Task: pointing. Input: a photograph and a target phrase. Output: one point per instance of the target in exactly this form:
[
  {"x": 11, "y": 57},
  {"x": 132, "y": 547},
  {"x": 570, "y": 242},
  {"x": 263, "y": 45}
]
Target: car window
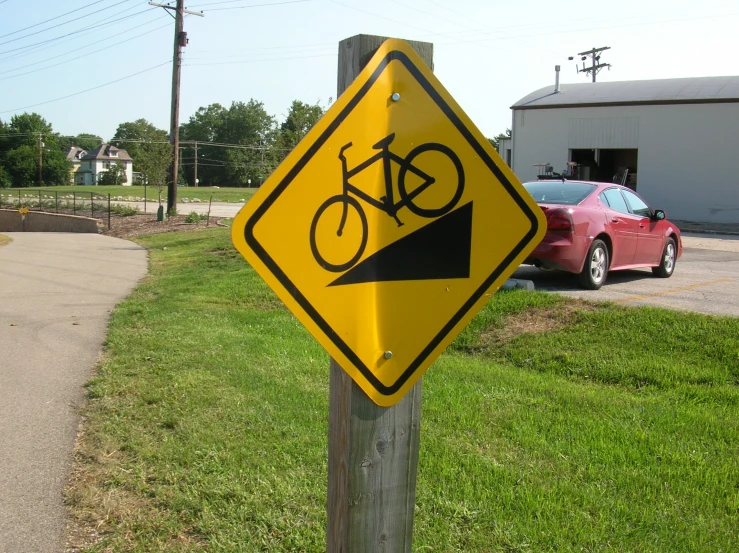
[
  {"x": 637, "y": 204},
  {"x": 558, "y": 192},
  {"x": 615, "y": 200}
]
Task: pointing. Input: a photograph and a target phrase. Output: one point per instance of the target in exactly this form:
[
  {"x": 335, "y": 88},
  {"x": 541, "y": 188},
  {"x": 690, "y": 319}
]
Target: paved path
[
  {"x": 706, "y": 280},
  {"x": 56, "y": 293},
  {"x": 218, "y": 209}
]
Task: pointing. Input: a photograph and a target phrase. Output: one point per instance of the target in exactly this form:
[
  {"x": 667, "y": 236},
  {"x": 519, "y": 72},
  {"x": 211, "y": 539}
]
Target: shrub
[
  {"x": 124, "y": 210},
  {"x": 192, "y": 217}
]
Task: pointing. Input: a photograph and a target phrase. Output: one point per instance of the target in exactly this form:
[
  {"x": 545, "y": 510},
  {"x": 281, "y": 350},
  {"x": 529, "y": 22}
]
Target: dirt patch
[
  {"x": 145, "y": 224},
  {"x": 535, "y": 321},
  {"x": 4, "y": 240}
]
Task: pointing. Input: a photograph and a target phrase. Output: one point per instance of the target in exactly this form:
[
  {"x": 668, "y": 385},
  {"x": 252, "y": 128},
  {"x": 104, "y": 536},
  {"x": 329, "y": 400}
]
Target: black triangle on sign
[{"x": 439, "y": 250}]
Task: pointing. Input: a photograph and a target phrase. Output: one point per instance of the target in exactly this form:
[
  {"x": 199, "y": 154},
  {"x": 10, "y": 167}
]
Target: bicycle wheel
[
  {"x": 441, "y": 194},
  {"x": 341, "y": 233}
]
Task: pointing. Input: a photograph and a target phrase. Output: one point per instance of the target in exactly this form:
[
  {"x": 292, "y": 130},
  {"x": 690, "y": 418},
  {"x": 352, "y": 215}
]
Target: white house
[
  {"x": 96, "y": 162},
  {"x": 676, "y": 141}
]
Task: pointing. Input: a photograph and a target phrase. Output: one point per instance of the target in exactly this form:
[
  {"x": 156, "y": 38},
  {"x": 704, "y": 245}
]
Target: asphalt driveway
[
  {"x": 706, "y": 280},
  {"x": 56, "y": 293}
]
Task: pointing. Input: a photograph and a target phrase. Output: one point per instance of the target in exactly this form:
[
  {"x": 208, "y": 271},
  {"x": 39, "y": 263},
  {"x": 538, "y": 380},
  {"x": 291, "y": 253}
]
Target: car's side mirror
[{"x": 659, "y": 215}]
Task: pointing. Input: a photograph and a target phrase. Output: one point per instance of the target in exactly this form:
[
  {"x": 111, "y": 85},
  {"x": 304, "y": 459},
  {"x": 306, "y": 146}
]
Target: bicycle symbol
[{"x": 386, "y": 203}]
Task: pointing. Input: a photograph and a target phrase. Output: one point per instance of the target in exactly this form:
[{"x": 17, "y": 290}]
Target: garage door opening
[{"x": 606, "y": 165}]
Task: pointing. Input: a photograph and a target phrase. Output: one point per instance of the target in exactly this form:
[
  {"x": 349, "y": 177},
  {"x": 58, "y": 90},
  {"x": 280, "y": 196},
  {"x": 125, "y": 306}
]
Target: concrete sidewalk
[
  {"x": 56, "y": 294},
  {"x": 217, "y": 209}
]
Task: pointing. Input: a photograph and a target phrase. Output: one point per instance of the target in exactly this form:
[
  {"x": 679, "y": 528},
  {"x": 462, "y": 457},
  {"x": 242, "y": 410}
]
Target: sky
[{"x": 88, "y": 65}]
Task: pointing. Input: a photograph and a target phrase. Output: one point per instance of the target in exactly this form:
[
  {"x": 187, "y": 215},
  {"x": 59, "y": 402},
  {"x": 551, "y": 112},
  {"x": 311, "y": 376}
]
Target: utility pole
[
  {"x": 180, "y": 40},
  {"x": 196, "y": 164},
  {"x": 595, "y": 61},
  {"x": 40, "y": 158}
]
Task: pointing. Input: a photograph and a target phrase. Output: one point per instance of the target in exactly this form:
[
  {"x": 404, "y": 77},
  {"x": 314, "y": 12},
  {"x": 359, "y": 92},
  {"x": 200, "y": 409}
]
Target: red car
[{"x": 596, "y": 227}]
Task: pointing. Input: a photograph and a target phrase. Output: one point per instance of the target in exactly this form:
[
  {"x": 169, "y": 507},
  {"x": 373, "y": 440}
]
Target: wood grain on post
[{"x": 372, "y": 450}]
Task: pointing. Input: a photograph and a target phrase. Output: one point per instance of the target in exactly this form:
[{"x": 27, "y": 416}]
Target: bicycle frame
[{"x": 386, "y": 203}]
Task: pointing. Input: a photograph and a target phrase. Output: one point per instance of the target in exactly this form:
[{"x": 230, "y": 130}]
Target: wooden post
[{"x": 372, "y": 450}]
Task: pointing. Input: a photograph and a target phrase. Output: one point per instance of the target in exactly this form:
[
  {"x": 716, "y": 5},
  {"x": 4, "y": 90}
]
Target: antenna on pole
[
  {"x": 595, "y": 66},
  {"x": 180, "y": 41}
]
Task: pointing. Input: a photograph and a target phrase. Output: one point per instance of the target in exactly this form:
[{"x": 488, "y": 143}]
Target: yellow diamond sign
[{"x": 390, "y": 225}]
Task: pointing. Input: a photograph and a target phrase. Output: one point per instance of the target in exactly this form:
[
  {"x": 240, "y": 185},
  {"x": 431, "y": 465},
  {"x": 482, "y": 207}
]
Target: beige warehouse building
[{"x": 676, "y": 141}]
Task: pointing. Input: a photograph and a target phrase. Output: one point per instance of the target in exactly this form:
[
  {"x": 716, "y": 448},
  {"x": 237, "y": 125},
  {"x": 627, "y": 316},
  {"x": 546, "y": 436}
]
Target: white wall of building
[
  {"x": 688, "y": 154},
  {"x": 99, "y": 167}
]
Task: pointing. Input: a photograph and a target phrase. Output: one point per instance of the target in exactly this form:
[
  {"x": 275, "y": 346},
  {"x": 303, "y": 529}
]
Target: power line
[
  {"x": 76, "y": 52},
  {"x": 248, "y": 6},
  {"x": 201, "y": 143},
  {"x": 89, "y": 89},
  {"x": 52, "y": 19},
  {"x": 97, "y": 25},
  {"x": 466, "y": 27},
  {"x": 386, "y": 18},
  {"x": 260, "y": 60},
  {"x": 97, "y": 41},
  {"x": 297, "y": 46},
  {"x": 60, "y": 24}
]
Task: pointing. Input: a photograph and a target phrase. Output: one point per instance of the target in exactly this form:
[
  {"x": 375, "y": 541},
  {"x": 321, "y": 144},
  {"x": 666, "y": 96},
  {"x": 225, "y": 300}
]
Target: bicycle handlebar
[{"x": 343, "y": 149}]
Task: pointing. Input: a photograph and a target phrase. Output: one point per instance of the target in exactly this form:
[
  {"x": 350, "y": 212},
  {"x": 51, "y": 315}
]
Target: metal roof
[{"x": 694, "y": 90}]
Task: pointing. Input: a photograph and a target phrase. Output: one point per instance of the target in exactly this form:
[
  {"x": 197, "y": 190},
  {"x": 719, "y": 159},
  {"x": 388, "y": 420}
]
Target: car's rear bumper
[{"x": 560, "y": 251}]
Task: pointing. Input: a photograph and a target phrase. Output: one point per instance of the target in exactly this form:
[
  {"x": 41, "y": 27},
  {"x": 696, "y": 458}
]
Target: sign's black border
[{"x": 399, "y": 56}]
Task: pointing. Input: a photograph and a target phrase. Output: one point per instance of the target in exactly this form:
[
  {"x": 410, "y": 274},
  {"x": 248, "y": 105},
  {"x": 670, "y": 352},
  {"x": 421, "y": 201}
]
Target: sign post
[
  {"x": 23, "y": 211},
  {"x": 372, "y": 450},
  {"x": 385, "y": 231}
]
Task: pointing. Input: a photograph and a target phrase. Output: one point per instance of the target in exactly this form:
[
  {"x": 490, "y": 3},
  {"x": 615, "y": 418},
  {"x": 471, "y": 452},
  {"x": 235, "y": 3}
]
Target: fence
[{"x": 52, "y": 201}]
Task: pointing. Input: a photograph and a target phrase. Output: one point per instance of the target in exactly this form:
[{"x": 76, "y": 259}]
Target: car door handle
[
  {"x": 641, "y": 225},
  {"x": 615, "y": 220}
]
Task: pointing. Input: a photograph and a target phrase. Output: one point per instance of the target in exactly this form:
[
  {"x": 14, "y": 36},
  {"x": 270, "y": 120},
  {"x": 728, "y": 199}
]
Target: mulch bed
[{"x": 145, "y": 224}]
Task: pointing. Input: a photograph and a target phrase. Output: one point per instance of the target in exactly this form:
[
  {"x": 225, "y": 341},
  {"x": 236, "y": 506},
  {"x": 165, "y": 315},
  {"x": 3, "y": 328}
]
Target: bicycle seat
[{"x": 382, "y": 144}]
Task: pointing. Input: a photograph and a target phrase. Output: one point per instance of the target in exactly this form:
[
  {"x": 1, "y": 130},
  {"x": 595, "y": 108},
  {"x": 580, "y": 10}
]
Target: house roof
[
  {"x": 694, "y": 90},
  {"x": 104, "y": 152},
  {"x": 73, "y": 152}
]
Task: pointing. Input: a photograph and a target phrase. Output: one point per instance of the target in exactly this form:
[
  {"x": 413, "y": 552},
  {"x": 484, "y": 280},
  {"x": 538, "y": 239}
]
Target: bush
[
  {"x": 124, "y": 210},
  {"x": 192, "y": 218}
]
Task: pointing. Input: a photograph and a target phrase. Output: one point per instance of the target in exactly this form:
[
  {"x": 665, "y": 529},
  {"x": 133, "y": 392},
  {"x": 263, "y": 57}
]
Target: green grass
[
  {"x": 548, "y": 425},
  {"x": 202, "y": 193},
  {"x": 5, "y": 240}
]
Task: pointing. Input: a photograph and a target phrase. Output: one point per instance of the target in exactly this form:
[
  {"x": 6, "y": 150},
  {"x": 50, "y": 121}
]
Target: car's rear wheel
[
  {"x": 667, "y": 263},
  {"x": 594, "y": 272}
]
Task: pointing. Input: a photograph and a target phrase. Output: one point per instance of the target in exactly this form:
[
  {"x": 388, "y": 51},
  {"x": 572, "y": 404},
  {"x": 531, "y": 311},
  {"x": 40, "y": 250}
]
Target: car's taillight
[{"x": 559, "y": 220}]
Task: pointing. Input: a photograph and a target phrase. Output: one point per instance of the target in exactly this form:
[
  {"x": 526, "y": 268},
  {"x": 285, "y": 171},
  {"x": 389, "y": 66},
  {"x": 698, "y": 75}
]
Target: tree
[
  {"x": 244, "y": 124},
  {"x": 129, "y": 136},
  {"x": 251, "y": 126},
  {"x": 21, "y": 163},
  {"x": 153, "y": 161},
  {"x": 204, "y": 126},
  {"x": 4, "y": 138},
  {"x": 86, "y": 141},
  {"x": 300, "y": 119},
  {"x": 20, "y": 159},
  {"x": 115, "y": 175},
  {"x": 5, "y": 181},
  {"x": 496, "y": 141}
]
